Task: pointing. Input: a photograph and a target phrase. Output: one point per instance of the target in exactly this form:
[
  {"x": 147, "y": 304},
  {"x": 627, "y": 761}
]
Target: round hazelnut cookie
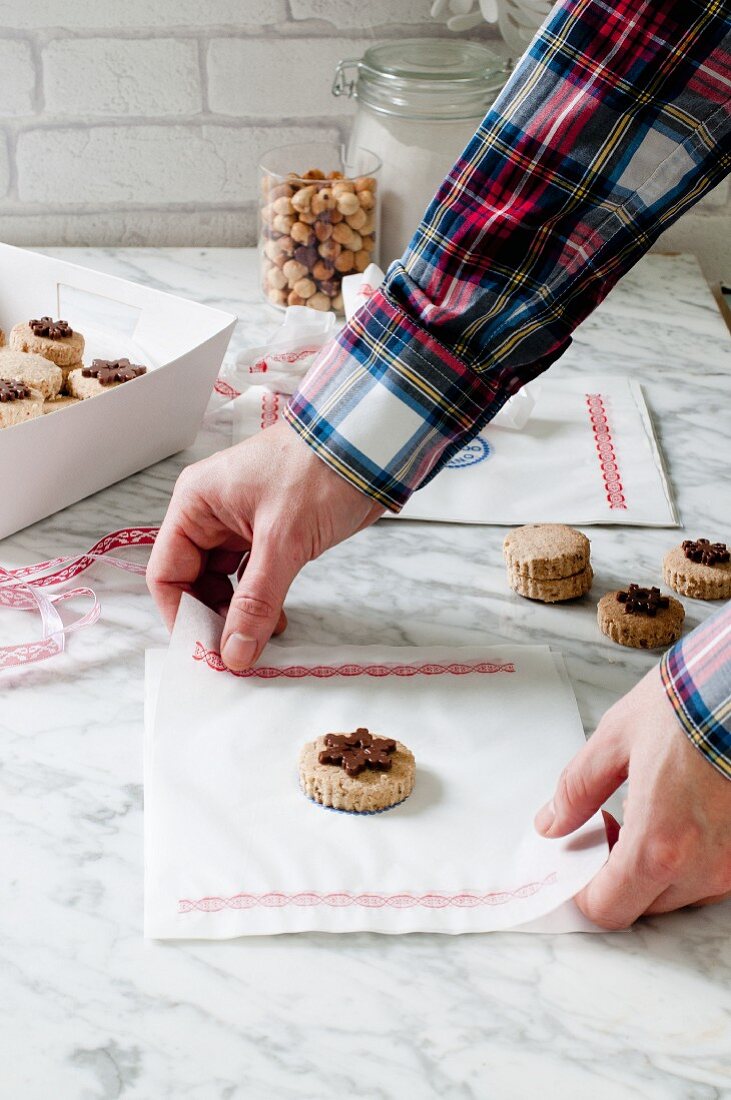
[
  {"x": 58, "y": 403},
  {"x": 356, "y": 772},
  {"x": 700, "y": 569},
  {"x": 552, "y": 591},
  {"x": 101, "y": 376},
  {"x": 18, "y": 402},
  {"x": 54, "y": 340},
  {"x": 34, "y": 370},
  {"x": 640, "y": 618},
  {"x": 546, "y": 551}
]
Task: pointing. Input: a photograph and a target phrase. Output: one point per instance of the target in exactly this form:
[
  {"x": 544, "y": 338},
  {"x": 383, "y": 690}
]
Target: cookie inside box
[
  {"x": 108, "y": 346},
  {"x": 92, "y": 443},
  {"x": 107, "y": 327}
]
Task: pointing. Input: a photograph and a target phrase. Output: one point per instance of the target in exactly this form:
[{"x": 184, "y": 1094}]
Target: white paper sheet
[
  {"x": 232, "y": 846},
  {"x": 586, "y": 455}
]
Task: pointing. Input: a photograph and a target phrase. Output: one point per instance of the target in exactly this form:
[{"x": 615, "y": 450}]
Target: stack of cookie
[
  {"x": 39, "y": 357},
  {"x": 548, "y": 562}
]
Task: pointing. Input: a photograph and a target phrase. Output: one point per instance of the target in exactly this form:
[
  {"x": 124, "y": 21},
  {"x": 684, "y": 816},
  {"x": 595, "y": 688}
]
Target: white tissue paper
[
  {"x": 358, "y": 288},
  {"x": 282, "y": 363},
  {"x": 233, "y": 847},
  {"x": 587, "y": 454}
]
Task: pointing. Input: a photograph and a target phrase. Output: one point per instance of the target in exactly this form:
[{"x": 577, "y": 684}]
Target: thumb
[
  {"x": 256, "y": 605},
  {"x": 591, "y": 777}
]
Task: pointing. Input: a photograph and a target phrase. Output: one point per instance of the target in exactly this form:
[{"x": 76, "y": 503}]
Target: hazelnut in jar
[{"x": 318, "y": 221}]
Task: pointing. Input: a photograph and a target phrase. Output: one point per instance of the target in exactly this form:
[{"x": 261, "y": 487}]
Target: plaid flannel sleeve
[
  {"x": 616, "y": 120},
  {"x": 697, "y": 677}
]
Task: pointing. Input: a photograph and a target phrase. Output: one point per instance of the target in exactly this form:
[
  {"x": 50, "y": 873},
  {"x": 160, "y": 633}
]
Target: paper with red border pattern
[
  {"x": 587, "y": 454},
  {"x": 234, "y": 848}
]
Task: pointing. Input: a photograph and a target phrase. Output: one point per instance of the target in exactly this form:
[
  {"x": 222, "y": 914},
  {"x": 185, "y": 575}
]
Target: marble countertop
[{"x": 90, "y": 1010}]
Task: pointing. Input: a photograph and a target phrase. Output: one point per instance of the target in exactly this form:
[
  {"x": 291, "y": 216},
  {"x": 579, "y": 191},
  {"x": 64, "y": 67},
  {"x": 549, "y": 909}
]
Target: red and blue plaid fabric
[
  {"x": 616, "y": 120},
  {"x": 697, "y": 677}
]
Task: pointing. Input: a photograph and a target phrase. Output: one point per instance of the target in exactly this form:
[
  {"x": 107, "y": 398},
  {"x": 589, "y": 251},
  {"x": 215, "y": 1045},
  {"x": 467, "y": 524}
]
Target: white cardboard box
[{"x": 55, "y": 460}]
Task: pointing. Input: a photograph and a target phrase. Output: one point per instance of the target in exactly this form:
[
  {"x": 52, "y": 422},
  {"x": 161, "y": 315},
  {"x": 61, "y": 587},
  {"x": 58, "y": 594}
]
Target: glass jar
[
  {"x": 318, "y": 221},
  {"x": 418, "y": 104}
]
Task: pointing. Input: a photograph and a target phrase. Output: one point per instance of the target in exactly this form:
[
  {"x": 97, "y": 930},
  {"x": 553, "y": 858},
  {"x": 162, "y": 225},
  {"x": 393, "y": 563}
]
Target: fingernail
[
  {"x": 238, "y": 652},
  {"x": 546, "y": 817}
]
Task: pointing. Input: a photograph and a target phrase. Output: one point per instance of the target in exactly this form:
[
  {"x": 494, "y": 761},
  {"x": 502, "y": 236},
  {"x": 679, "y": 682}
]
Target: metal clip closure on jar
[
  {"x": 341, "y": 84},
  {"x": 419, "y": 102}
]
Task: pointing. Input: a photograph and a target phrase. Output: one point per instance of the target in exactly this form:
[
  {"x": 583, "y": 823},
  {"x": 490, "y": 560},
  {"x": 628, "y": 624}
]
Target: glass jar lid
[{"x": 424, "y": 78}]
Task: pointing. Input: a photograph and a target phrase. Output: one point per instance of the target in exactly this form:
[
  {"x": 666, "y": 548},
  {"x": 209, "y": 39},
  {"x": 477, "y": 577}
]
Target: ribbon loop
[{"x": 23, "y": 589}]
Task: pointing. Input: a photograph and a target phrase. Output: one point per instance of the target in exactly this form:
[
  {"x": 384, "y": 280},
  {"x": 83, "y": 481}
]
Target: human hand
[
  {"x": 270, "y": 496},
  {"x": 674, "y": 848}
]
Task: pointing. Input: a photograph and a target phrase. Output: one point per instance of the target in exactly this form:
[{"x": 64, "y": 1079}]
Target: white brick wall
[
  {"x": 147, "y": 165},
  {"x": 142, "y": 121},
  {"x": 17, "y": 78},
  {"x": 288, "y": 77},
  {"x": 4, "y": 167},
  {"x": 362, "y": 13},
  {"x": 89, "y": 15},
  {"x": 128, "y": 76}
]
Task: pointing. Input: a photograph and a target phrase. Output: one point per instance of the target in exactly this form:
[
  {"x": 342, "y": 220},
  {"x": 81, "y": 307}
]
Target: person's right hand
[
  {"x": 674, "y": 848},
  {"x": 271, "y": 496}
]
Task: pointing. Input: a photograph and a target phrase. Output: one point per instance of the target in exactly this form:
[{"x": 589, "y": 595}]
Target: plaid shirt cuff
[
  {"x": 696, "y": 673},
  {"x": 386, "y": 404}
]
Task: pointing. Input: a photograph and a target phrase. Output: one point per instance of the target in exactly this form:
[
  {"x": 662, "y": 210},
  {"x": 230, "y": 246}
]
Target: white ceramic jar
[{"x": 418, "y": 104}]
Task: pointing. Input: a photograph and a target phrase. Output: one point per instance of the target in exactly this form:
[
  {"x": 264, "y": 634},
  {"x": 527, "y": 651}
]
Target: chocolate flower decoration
[
  {"x": 107, "y": 371},
  {"x": 705, "y": 552},
  {"x": 13, "y": 391},
  {"x": 643, "y": 601},
  {"x": 354, "y": 752},
  {"x": 53, "y": 330}
]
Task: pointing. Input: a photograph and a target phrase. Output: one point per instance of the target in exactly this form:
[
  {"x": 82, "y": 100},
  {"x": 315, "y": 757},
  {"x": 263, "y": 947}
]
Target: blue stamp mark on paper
[{"x": 477, "y": 450}]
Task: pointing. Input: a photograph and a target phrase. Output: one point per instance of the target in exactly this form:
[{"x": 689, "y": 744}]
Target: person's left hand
[{"x": 674, "y": 848}]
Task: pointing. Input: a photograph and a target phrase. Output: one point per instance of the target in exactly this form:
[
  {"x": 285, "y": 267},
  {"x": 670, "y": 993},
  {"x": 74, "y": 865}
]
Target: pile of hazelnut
[{"x": 315, "y": 229}]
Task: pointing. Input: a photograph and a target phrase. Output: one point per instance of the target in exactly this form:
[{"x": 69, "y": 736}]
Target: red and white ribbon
[{"x": 25, "y": 589}]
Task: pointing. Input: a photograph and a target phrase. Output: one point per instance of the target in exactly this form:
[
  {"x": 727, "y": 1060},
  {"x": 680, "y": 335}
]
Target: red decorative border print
[
  {"x": 605, "y": 451},
  {"x": 261, "y": 366},
  {"x": 225, "y": 389},
  {"x": 296, "y": 672},
  {"x": 363, "y": 901},
  {"x": 269, "y": 408}
]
